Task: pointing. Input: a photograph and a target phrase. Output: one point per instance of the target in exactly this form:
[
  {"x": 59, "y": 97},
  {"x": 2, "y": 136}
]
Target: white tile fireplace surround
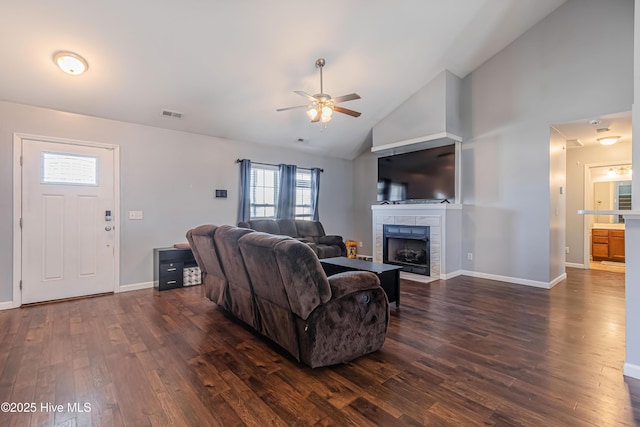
[{"x": 445, "y": 226}]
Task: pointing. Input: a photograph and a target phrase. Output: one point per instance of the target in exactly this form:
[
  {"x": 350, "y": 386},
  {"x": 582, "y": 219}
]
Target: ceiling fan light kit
[{"x": 323, "y": 105}]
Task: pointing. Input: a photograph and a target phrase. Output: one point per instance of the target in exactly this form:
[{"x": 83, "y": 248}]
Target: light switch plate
[{"x": 135, "y": 215}]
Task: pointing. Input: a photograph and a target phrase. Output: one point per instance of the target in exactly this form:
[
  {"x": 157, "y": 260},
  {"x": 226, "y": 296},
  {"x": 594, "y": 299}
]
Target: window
[
  {"x": 264, "y": 191},
  {"x": 303, "y": 194},
  {"x": 265, "y": 180},
  {"x": 60, "y": 168}
]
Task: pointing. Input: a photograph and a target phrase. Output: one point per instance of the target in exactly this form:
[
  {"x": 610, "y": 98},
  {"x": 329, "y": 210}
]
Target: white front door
[{"x": 68, "y": 236}]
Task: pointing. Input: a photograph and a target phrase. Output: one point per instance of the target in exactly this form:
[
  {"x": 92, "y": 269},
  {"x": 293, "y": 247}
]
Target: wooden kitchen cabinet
[
  {"x": 616, "y": 245},
  {"x": 607, "y": 245}
]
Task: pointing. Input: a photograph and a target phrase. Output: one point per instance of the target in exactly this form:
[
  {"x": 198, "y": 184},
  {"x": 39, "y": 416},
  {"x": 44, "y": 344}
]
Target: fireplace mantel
[{"x": 445, "y": 222}]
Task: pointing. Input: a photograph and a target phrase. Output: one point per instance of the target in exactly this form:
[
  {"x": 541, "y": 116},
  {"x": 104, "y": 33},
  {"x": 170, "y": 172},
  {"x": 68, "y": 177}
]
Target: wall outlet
[
  {"x": 566, "y": 250},
  {"x": 360, "y": 244},
  {"x": 470, "y": 256},
  {"x": 135, "y": 215}
]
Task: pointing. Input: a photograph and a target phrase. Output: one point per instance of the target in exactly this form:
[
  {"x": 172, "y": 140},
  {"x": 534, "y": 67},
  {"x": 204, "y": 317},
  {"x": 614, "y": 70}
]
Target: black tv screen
[{"x": 420, "y": 175}]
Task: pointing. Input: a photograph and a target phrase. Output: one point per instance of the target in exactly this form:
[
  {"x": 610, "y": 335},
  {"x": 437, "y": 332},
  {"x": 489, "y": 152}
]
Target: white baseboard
[
  {"x": 6, "y": 305},
  {"x": 631, "y": 370},
  {"x": 428, "y": 279},
  {"x": 516, "y": 280},
  {"x": 451, "y": 275},
  {"x": 417, "y": 277},
  {"x": 575, "y": 265},
  {"x": 558, "y": 279},
  {"x": 135, "y": 287}
]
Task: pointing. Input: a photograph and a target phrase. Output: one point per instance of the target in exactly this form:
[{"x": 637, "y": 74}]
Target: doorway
[
  {"x": 68, "y": 236},
  {"x": 589, "y": 160},
  {"x": 607, "y": 187}
]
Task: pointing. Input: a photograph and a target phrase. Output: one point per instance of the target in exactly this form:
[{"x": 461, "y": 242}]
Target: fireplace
[{"x": 408, "y": 247}]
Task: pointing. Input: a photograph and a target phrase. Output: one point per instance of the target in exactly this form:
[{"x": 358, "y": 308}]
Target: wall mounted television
[{"x": 425, "y": 175}]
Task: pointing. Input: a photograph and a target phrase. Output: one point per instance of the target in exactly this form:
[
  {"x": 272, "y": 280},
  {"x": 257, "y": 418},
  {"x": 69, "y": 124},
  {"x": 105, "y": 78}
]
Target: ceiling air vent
[
  {"x": 603, "y": 130},
  {"x": 169, "y": 113},
  {"x": 573, "y": 143}
]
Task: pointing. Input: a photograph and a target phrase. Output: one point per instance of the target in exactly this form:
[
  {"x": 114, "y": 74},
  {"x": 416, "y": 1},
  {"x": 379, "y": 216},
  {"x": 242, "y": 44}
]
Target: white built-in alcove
[{"x": 428, "y": 119}]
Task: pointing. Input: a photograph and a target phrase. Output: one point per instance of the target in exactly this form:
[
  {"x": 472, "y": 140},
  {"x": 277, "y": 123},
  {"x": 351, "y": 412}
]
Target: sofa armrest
[
  {"x": 352, "y": 281},
  {"x": 329, "y": 240},
  {"x": 352, "y": 323}
]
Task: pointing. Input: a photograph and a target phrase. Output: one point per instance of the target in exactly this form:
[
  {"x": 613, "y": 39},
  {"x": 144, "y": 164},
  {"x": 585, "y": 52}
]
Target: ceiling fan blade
[
  {"x": 305, "y": 95},
  {"x": 292, "y": 108},
  {"x": 317, "y": 118},
  {"x": 345, "y": 98},
  {"x": 346, "y": 111}
]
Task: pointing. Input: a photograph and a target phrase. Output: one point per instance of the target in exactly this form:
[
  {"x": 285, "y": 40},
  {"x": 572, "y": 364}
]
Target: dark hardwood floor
[{"x": 460, "y": 352}]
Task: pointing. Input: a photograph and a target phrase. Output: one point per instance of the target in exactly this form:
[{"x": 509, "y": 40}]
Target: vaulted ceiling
[{"x": 227, "y": 65}]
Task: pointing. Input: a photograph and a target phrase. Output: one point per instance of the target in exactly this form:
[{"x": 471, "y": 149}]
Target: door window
[{"x": 60, "y": 168}]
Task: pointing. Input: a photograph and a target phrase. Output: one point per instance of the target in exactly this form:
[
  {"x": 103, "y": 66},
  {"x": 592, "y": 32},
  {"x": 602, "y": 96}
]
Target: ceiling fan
[{"x": 323, "y": 105}]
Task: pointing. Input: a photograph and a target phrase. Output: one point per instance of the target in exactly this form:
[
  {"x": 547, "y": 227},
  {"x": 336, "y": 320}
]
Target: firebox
[{"x": 407, "y": 246}]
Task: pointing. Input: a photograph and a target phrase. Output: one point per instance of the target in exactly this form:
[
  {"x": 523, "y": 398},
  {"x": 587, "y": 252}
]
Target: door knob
[{"x": 108, "y": 228}]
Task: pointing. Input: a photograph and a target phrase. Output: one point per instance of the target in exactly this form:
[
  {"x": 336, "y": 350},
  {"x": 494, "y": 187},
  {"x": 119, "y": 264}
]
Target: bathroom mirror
[{"x": 611, "y": 195}]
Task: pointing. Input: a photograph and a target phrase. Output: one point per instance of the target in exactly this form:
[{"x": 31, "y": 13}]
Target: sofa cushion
[
  {"x": 326, "y": 251},
  {"x": 329, "y": 240},
  {"x": 201, "y": 240},
  {"x": 304, "y": 279},
  {"x": 309, "y": 228},
  {"x": 287, "y": 227},
  {"x": 271, "y": 298},
  {"x": 240, "y": 291},
  {"x": 265, "y": 226}
]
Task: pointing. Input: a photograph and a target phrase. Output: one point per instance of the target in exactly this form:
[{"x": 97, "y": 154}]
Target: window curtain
[
  {"x": 315, "y": 194},
  {"x": 244, "y": 212},
  {"x": 286, "y": 206}
]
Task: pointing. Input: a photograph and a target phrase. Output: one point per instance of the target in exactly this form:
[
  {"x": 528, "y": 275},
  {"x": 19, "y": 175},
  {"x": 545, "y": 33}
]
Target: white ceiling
[
  {"x": 586, "y": 131},
  {"x": 227, "y": 65}
]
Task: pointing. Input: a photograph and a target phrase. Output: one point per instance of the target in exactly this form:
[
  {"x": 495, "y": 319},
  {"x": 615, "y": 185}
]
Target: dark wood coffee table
[{"x": 389, "y": 275}]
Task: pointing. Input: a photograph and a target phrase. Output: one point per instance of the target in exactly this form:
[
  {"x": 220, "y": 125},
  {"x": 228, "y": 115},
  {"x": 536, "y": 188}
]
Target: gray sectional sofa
[
  {"x": 310, "y": 232},
  {"x": 276, "y": 285}
]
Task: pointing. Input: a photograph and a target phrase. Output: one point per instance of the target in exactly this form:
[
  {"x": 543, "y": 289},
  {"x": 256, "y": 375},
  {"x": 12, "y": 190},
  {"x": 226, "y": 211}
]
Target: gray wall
[
  {"x": 169, "y": 175},
  {"x": 424, "y": 113},
  {"x": 577, "y": 158},
  {"x": 508, "y": 104},
  {"x": 365, "y": 177},
  {"x": 557, "y": 204},
  {"x": 545, "y": 76}
]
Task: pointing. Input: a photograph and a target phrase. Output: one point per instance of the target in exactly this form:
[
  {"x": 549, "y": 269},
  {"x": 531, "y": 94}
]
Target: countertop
[{"x": 607, "y": 226}]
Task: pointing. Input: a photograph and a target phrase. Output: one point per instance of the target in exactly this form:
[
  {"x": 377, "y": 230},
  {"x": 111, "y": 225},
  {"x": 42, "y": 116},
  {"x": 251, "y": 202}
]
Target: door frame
[
  {"x": 587, "y": 204},
  {"x": 18, "y": 139}
]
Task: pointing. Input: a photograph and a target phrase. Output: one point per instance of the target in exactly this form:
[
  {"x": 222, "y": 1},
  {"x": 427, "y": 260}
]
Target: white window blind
[
  {"x": 303, "y": 194},
  {"x": 264, "y": 191}
]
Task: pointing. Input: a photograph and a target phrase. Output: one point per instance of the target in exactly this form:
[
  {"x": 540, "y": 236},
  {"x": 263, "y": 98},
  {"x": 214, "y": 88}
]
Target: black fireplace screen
[
  {"x": 407, "y": 246},
  {"x": 407, "y": 251}
]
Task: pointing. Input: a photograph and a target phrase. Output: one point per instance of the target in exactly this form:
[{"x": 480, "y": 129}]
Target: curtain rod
[{"x": 270, "y": 164}]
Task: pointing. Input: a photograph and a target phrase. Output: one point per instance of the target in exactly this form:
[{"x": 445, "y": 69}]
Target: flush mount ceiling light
[
  {"x": 70, "y": 63},
  {"x": 608, "y": 140}
]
